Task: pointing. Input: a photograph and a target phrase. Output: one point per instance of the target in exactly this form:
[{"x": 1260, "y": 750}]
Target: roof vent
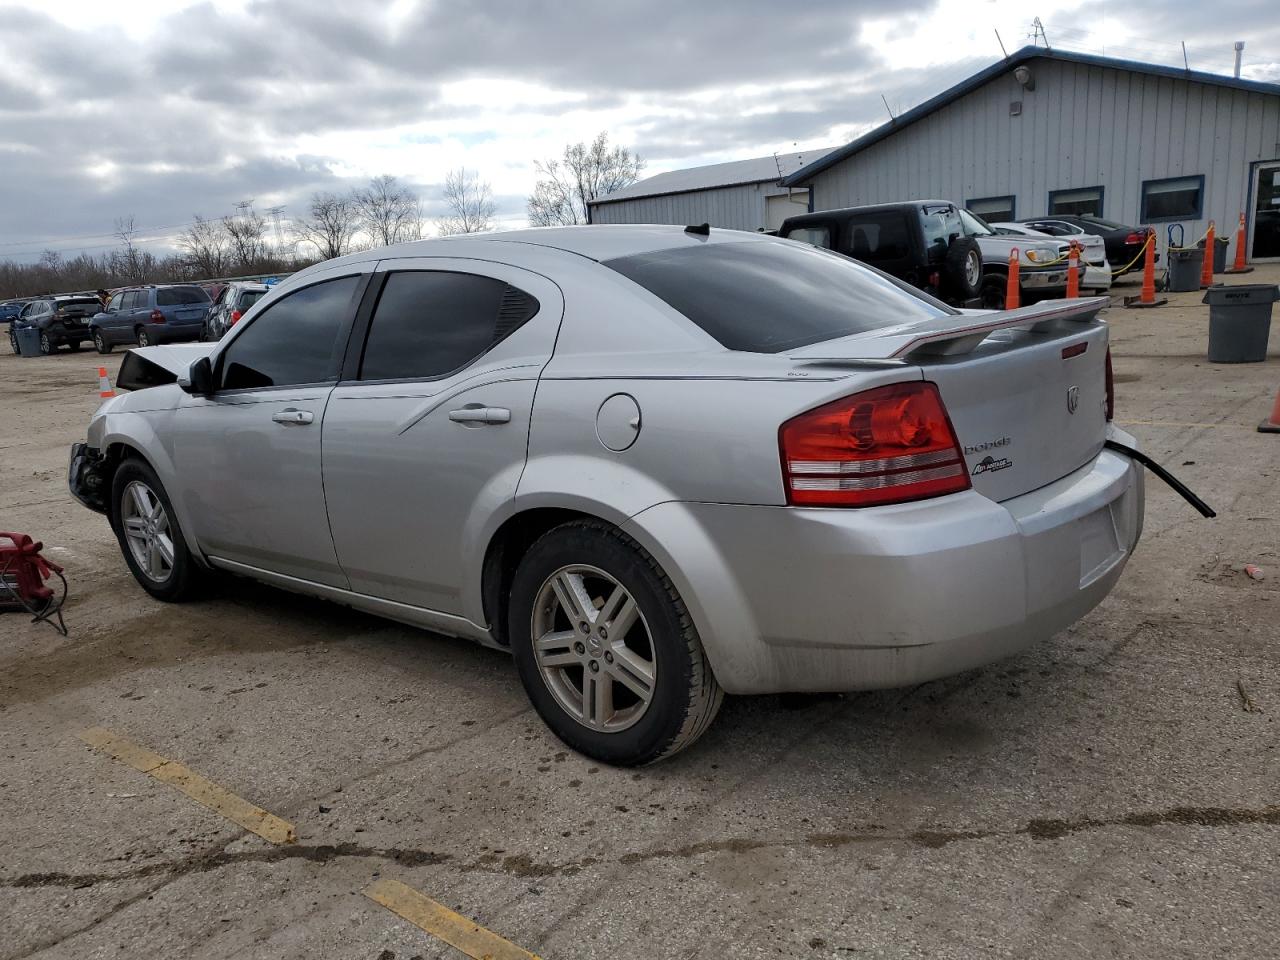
[{"x": 699, "y": 229}]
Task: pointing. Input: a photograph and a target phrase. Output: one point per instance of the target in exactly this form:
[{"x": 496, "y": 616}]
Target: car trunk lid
[{"x": 1025, "y": 389}]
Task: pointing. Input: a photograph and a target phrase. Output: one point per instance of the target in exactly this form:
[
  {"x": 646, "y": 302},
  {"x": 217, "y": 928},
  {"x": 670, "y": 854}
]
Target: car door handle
[
  {"x": 476, "y": 414},
  {"x": 292, "y": 416}
]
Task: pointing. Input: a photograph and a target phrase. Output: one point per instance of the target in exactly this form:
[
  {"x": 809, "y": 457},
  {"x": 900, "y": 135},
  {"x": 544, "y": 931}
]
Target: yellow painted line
[
  {"x": 220, "y": 801},
  {"x": 441, "y": 922},
  {"x": 1175, "y": 423}
]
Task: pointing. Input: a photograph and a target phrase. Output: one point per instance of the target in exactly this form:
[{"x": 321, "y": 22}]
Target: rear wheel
[
  {"x": 143, "y": 339},
  {"x": 100, "y": 342},
  {"x": 145, "y": 526},
  {"x": 47, "y": 346},
  {"x": 606, "y": 649},
  {"x": 13, "y": 340}
]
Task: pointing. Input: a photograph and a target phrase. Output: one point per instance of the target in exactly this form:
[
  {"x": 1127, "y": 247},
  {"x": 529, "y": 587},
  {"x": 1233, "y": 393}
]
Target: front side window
[
  {"x": 430, "y": 323},
  {"x": 295, "y": 341},
  {"x": 768, "y": 297},
  {"x": 1086, "y": 201},
  {"x": 1178, "y": 198},
  {"x": 114, "y": 305}
]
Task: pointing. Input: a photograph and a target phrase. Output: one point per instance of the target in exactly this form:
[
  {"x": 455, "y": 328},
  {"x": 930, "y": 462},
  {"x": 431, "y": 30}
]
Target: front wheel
[
  {"x": 100, "y": 342},
  {"x": 606, "y": 649},
  {"x": 152, "y": 543},
  {"x": 47, "y": 346}
]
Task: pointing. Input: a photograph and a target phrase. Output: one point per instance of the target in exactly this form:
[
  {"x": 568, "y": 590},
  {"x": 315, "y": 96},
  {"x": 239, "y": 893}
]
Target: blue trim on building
[{"x": 801, "y": 177}]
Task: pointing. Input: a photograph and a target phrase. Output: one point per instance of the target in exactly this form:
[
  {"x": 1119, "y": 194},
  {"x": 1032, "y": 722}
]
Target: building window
[
  {"x": 1084, "y": 201},
  {"x": 993, "y": 209},
  {"x": 1178, "y": 198}
]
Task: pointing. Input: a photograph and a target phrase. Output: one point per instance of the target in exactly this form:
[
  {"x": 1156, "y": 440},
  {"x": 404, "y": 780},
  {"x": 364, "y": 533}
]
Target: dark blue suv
[{"x": 150, "y": 315}]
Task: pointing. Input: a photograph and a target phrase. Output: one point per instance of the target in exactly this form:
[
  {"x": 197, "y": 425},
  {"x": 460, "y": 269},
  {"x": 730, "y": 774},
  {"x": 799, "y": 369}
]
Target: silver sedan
[{"x": 655, "y": 464}]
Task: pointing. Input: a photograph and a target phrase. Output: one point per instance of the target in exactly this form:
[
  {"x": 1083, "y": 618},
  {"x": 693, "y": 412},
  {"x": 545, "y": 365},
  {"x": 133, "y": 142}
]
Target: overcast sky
[{"x": 162, "y": 109}]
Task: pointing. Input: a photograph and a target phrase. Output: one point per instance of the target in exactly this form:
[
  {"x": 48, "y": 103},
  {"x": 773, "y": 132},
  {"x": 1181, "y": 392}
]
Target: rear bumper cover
[{"x": 790, "y": 599}]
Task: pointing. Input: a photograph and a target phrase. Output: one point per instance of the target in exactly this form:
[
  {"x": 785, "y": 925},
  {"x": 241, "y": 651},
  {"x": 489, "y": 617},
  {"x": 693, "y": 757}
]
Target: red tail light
[
  {"x": 1111, "y": 389},
  {"x": 157, "y": 316},
  {"x": 1136, "y": 236},
  {"x": 886, "y": 445},
  {"x": 235, "y": 317}
]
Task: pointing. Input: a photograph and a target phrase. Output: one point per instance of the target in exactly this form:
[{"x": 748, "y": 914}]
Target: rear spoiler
[{"x": 947, "y": 335}]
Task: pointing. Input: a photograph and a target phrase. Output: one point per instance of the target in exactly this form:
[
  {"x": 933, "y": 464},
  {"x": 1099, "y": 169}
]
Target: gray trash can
[
  {"x": 1185, "y": 264},
  {"x": 1240, "y": 321},
  {"x": 1220, "y": 245},
  {"x": 29, "y": 342}
]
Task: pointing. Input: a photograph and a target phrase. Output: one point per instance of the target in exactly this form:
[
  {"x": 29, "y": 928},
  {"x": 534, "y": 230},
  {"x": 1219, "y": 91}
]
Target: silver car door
[
  {"x": 429, "y": 435},
  {"x": 247, "y": 457}
]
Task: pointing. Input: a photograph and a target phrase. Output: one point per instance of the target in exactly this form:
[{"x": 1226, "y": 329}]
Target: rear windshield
[
  {"x": 173, "y": 296},
  {"x": 80, "y": 303},
  {"x": 768, "y": 297},
  {"x": 249, "y": 298}
]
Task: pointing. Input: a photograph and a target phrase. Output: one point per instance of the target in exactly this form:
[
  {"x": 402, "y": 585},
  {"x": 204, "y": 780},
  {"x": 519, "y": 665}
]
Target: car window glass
[
  {"x": 115, "y": 302},
  {"x": 248, "y": 299},
  {"x": 940, "y": 223},
  {"x": 872, "y": 237},
  {"x": 430, "y": 323},
  {"x": 175, "y": 296},
  {"x": 295, "y": 340},
  {"x": 768, "y": 297},
  {"x": 974, "y": 226},
  {"x": 135, "y": 300},
  {"x": 818, "y": 236}
]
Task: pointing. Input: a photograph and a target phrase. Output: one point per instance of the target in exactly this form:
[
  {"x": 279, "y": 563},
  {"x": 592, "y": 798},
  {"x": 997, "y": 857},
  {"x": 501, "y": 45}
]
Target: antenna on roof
[
  {"x": 699, "y": 230},
  {"x": 1039, "y": 33},
  {"x": 1185, "y": 66},
  {"x": 886, "y": 106},
  {"x": 777, "y": 163},
  {"x": 1001, "y": 42}
]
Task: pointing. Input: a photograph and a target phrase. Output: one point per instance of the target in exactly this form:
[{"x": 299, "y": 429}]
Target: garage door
[{"x": 777, "y": 209}]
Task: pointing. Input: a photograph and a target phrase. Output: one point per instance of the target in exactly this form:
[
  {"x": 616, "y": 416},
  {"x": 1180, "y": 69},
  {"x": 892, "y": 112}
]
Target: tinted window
[
  {"x": 173, "y": 296},
  {"x": 768, "y": 297},
  {"x": 249, "y": 298},
  {"x": 881, "y": 236},
  {"x": 295, "y": 340},
  {"x": 940, "y": 224},
  {"x": 431, "y": 323}
]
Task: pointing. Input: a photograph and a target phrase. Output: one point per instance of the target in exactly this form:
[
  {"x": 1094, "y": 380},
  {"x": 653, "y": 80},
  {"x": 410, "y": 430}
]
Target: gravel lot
[{"x": 1105, "y": 794}]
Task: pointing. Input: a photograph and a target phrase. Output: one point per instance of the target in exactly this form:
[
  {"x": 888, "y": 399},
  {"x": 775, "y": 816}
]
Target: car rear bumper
[
  {"x": 791, "y": 599},
  {"x": 173, "y": 330}
]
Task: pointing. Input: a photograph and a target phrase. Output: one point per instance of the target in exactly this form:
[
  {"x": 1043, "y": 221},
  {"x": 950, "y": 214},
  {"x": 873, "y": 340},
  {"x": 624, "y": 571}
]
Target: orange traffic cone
[
  {"x": 104, "y": 384},
  {"x": 1148, "y": 297},
  {"x": 1012, "y": 288},
  {"x": 1073, "y": 271},
  {"x": 1239, "y": 265},
  {"x": 1272, "y": 424},
  {"x": 1206, "y": 272}
]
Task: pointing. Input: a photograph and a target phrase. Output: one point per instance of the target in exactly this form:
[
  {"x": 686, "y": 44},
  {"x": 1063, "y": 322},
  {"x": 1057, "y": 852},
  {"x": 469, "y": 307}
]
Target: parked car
[
  {"x": 232, "y": 302},
  {"x": 10, "y": 310},
  {"x": 936, "y": 246},
  {"x": 654, "y": 464},
  {"x": 149, "y": 315},
  {"x": 1123, "y": 243},
  {"x": 61, "y": 320},
  {"x": 1095, "y": 275}
]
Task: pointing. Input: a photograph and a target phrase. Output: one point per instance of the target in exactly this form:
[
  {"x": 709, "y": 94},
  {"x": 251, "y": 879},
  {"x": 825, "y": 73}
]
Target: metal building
[
  {"x": 1047, "y": 131},
  {"x": 740, "y": 195}
]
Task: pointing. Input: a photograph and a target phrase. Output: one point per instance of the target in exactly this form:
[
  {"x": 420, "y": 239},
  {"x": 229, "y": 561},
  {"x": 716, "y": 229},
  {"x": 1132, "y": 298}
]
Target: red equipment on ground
[{"x": 23, "y": 572}]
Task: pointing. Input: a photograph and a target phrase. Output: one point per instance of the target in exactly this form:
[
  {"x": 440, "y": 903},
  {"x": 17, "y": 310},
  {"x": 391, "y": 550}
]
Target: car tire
[
  {"x": 143, "y": 339},
  {"x": 47, "y": 346},
  {"x": 656, "y": 666},
  {"x": 144, "y": 523},
  {"x": 962, "y": 268},
  {"x": 100, "y": 342},
  {"x": 13, "y": 341},
  {"x": 993, "y": 294}
]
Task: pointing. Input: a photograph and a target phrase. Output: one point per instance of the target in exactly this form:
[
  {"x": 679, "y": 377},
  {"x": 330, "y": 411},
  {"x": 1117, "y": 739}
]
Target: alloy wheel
[
  {"x": 147, "y": 531},
  {"x": 46, "y": 345},
  {"x": 593, "y": 648},
  {"x": 143, "y": 339},
  {"x": 972, "y": 269}
]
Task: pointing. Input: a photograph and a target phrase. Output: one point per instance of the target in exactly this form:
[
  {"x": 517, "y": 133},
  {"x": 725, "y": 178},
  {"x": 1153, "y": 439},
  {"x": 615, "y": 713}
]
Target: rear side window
[
  {"x": 766, "y": 297},
  {"x": 174, "y": 296},
  {"x": 135, "y": 299},
  {"x": 295, "y": 340},
  {"x": 430, "y": 323},
  {"x": 248, "y": 299},
  {"x": 818, "y": 236},
  {"x": 876, "y": 236}
]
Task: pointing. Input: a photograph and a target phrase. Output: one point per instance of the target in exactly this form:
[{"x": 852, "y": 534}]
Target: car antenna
[{"x": 699, "y": 229}]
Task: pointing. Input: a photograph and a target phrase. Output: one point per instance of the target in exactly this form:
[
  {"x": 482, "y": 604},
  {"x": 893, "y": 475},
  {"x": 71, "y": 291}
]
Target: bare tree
[
  {"x": 331, "y": 226},
  {"x": 387, "y": 211},
  {"x": 584, "y": 173},
  {"x": 205, "y": 246},
  {"x": 469, "y": 201},
  {"x": 127, "y": 262},
  {"x": 245, "y": 231}
]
